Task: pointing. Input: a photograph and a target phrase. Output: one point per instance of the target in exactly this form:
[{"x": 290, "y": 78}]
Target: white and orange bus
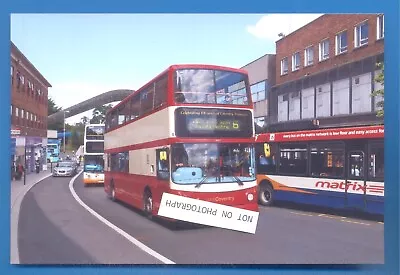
[
  {"x": 93, "y": 155},
  {"x": 341, "y": 168},
  {"x": 188, "y": 132}
]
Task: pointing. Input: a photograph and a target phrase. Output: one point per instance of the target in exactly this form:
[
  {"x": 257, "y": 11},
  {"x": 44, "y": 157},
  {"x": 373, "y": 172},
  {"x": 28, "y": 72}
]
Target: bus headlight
[{"x": 250, "y": 197}]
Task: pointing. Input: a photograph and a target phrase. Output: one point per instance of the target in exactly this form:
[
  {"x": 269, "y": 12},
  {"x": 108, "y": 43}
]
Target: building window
[
  {"x": 341, "y": 96},
  {"x": 324, "y": 50},
  {"x": 380, "y": 27},
  {"x": 296, "y": 61},
  {"x": 258, "y": 91},
  {"x": 283, "y": 105},
  {"x": 361, "y": 93},
  {"x": 16, "y": 112},
  {"x": 323, "y": 100},
  {"x": 307, "y": 99},
  {"x": 284, "y": 66},
  {"x": 22, "y": 113},
  {"x": 361, "y": 34},
  {"x": 11, "y": 110},
  {"x": 308, "y": 56},
  {"x": 341, "y": 42},
  {"x": 18, "y": 79},
  {"x": 294, "y": 106}
]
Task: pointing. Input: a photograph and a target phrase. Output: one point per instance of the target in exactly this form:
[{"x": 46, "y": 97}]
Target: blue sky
[{"x": 83, "y": 55}]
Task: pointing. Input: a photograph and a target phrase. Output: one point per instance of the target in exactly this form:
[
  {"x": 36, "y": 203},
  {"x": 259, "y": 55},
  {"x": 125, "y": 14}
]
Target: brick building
[
  {"x": 29, "y": 91},
  {"x": 261, "y": 76},
  {"x": 325, "y": 71}
]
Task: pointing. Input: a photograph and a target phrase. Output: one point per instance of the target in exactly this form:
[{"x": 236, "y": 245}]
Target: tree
[
  {"x": 75, "y": 142},
  {"x": 380, "y": 78},
  {"x": 99, "y": 114},
  {"x": 84, "y": 120},
  {"x": 52, "y": 108}
]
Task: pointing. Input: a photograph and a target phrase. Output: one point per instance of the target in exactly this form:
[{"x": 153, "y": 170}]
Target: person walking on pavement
[
  {"x": 13, "y": 170},
  {"x": 19, "y": 171}
]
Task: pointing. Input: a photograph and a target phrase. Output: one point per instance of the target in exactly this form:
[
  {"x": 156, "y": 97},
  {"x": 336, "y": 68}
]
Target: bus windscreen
[
  {"x": 95, "y": 132},
  {"x": 94, "y": 164}
]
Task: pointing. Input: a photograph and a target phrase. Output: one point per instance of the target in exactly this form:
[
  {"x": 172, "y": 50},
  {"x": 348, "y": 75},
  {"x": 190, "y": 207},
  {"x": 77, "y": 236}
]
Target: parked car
[{"x": 65, "y": 169}]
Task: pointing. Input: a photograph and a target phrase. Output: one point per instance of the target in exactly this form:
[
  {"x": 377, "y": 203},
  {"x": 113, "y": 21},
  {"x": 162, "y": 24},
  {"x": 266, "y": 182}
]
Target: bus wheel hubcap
[
  {"x": 149, "y": 204},
  {"x": 267, "y": 195}
]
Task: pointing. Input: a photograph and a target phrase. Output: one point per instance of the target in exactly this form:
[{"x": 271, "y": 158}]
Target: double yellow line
[{"x": 342, "y": 219}]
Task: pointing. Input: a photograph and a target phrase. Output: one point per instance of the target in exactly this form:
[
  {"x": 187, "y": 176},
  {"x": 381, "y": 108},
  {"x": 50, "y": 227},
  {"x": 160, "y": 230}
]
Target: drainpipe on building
[{"x": 25, "y": 163}]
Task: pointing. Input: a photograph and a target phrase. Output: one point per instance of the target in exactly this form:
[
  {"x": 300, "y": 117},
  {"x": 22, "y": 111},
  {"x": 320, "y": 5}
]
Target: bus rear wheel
[
  {"x": 265, "y": 194},
  {"x": 148, "y": 204},
  {"x": 112, "y": 191}
]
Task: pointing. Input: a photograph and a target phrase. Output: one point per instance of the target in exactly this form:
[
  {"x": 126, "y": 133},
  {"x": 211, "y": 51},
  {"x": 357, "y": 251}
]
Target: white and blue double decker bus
[{"x": 93, "y": 164}]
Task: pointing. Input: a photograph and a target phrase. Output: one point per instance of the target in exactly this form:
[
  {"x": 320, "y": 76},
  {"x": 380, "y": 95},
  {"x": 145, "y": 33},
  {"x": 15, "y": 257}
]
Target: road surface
[{"x": 51, "y": 218}]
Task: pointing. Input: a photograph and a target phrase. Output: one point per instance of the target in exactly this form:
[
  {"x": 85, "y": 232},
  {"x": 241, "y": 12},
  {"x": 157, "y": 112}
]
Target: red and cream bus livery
[
  {"x": 188, "y": 132},
  {"x": 340, "y": 168}
]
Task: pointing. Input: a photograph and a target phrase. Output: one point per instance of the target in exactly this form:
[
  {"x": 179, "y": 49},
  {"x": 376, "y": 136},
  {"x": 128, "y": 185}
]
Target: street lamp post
[{"x": 64, "y": 129}]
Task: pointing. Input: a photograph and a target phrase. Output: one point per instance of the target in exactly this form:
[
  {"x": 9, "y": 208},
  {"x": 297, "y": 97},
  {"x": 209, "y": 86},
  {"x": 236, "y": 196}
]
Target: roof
[
  {"x": 268, "y": 54},
  {"x": 295, "y": 31},
  {"x": 175, "y": 67},
  {"x": 14, "y": 49}
]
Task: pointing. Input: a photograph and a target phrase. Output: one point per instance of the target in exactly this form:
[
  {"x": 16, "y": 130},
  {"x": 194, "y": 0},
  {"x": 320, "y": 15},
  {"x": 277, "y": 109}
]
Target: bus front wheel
[
  {"x": 265, "y": 194},
  {"x": 148, "y": 204}
]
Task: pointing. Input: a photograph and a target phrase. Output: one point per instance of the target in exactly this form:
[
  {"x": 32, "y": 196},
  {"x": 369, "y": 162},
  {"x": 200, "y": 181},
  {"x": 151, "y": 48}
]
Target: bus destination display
[{"x": 194, "y": 122}]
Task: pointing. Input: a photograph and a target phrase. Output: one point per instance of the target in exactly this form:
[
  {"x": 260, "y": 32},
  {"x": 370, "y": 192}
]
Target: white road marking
[{"x": 115, "y": 228}]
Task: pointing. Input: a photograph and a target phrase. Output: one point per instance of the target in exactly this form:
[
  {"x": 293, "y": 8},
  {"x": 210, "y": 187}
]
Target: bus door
[
  {"x": 355, "y": 187},
  {"x": 375, "y": 188}
]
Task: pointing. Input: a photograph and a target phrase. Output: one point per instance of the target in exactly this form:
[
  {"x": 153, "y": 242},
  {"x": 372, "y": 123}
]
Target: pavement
[{"x": 18, "y": 192}]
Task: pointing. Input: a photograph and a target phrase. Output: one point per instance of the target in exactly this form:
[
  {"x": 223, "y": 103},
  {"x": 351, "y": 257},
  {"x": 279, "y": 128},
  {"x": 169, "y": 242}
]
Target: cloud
[{"x": 269, "y": 26}]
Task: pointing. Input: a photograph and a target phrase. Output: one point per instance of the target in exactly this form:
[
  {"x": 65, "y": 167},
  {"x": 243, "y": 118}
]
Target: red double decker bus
[{"x": 188, "y": 132}]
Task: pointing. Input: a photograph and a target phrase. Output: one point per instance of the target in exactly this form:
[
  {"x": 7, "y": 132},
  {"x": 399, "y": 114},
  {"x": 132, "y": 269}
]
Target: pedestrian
[
  {"x": 19, "y": 171},
  {"x": 13, "y": 170}
]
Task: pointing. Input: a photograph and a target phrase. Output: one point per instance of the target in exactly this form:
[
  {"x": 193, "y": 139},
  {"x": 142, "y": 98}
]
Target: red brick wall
[
  {"x": 28, "y": 99},
  {"x": 326, "y": 26}
]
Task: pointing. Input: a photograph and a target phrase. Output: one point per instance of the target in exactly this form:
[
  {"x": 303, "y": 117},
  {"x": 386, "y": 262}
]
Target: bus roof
[
  {"x": 176, "y": 67},
  {"x": 362, "y": 132}
]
